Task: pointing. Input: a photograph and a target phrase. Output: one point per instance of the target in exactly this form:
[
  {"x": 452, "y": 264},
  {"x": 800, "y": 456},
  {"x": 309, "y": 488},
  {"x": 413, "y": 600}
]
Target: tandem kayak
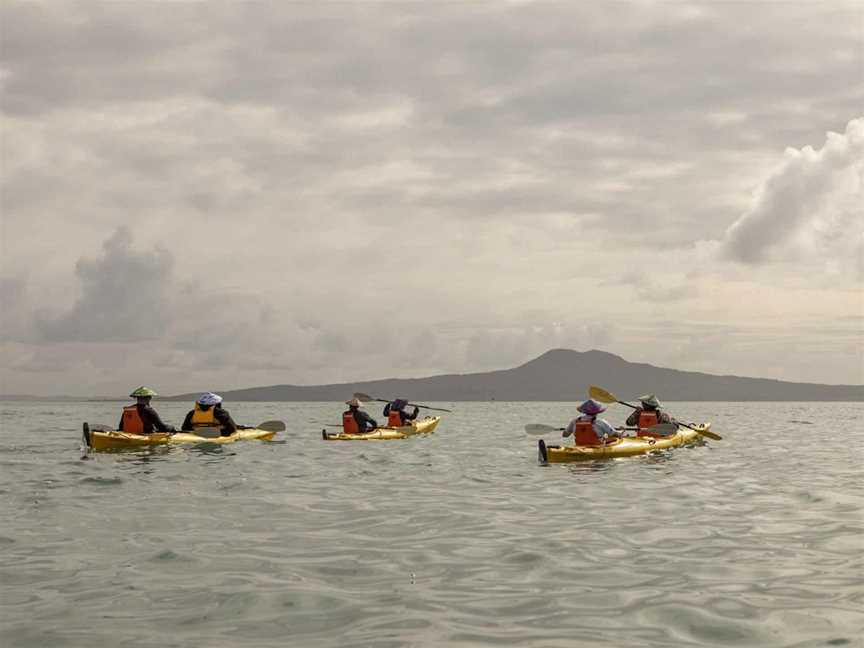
[
  {"x": 102, "y": 439},
  {"x": 423, "y": 426},
  {"x": 626, "y": 447}
]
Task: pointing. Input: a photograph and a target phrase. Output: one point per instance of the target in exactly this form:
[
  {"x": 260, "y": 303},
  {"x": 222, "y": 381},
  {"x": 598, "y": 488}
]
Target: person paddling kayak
[
  {"x": 396, "y": 414},
  {"x": 649, "y": 414},
  {"x": 208, "y": 412},
  {"x": 588, "y": 429},
  {"x": 355, "y": 420},
  {"x": 140, "y": 418}
]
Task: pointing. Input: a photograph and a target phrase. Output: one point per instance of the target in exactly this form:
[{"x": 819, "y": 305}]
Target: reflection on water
[{"x": 458, "y": 539}]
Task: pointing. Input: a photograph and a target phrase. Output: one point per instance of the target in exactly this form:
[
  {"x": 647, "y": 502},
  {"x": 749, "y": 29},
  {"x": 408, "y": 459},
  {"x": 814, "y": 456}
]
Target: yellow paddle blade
[
  {"x": 707, "y": 433},
  {"x": 600, "y": 394}
]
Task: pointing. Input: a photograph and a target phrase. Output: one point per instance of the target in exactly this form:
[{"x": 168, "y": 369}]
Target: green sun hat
[
  {"x": 650, "y": 400},
  {"x": 143, "y": 392}
]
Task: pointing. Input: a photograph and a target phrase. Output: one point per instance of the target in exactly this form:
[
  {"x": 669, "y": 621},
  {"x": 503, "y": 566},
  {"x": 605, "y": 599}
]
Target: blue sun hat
[
  {"x": 209, "y": 399},
  {"x": 591, "y": 407}
]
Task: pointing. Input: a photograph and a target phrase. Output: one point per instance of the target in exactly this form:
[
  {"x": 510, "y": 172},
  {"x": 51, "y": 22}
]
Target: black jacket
[
  {"x": 662, "y": 417},
  {"x": 365, "y": 423},
  {"x": 151, "y": 421},
  {"x": 222, "y": 417},
  {"x": 405, "y": 416}
]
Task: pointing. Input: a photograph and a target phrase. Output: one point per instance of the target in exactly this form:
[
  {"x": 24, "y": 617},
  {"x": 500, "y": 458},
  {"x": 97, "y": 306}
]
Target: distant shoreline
[{"x": 559, "y": 375}]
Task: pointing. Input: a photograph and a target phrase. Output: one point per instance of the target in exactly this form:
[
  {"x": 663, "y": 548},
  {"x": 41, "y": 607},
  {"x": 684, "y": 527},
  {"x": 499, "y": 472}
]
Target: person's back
[
  {"x": 396, "y": 414},
  {"x": 208, "y": 413},
  {"x": 140, "y": 418},
  {"x": 355, "y": 420},
  {"x": 648, "y": 415},
  {"x": 587, "y": 429}
]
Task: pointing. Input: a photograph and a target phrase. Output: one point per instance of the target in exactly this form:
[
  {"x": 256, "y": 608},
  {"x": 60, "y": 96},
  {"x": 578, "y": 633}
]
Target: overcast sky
[{"x": 219, "y": 195}]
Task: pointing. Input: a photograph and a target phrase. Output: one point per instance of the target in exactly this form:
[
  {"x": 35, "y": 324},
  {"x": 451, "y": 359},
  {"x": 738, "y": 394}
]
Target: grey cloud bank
[{"x": 245, "y": 194}]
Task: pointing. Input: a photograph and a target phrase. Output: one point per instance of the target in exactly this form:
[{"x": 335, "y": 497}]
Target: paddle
[
  {"x": 272, "y": 426},
  {"x": 663, "y": 429},
  {"x": 366, "y": 397},
  {"x": 600, "y": 394}
]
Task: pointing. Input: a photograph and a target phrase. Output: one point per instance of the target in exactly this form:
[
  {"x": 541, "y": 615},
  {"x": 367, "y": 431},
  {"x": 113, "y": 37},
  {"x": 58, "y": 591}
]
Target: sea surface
[{"x": 459, "y": 538}]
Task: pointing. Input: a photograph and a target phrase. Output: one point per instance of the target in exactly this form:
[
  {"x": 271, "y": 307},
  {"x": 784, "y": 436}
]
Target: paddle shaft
[
  {"x": 367, "y": 397},
  {"x": 602, "y": 395}
]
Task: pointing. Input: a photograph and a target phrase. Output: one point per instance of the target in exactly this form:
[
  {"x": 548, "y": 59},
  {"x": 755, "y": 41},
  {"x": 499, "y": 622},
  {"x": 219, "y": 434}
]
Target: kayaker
[
  {"x": 649, "y": 414},
  {"x": 208, "y": 412},
  {"x": 140, "y": 418},
  {"x": 588, "y": 429},
  {"x": 396, "y": 414},
  {"x": 355, "y": 420}
]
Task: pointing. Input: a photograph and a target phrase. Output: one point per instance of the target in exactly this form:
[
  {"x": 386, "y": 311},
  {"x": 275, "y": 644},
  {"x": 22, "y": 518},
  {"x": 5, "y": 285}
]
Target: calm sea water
[{"x": 455, "y": 539}]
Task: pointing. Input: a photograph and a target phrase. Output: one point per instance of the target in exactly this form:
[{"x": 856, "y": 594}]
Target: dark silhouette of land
[{"x": 560, "y": 375}]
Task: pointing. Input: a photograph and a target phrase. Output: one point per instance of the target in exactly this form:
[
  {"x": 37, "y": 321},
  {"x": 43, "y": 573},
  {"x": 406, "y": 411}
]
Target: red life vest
[
  {"x": 132, "y": 422},
  {"x": 584, "y": 434},
  {"x": 646, "y": 420},
  {"x": 349, "y": 423},
  {"x": 394, "y": 418}
]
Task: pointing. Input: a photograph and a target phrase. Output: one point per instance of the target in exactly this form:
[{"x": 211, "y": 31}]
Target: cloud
[
  {"x": 397, "y": 189},
  {"x": 125, "y": 297},
  {"x": 810, "y": 206},
  {"x": 14, "y": 320}
]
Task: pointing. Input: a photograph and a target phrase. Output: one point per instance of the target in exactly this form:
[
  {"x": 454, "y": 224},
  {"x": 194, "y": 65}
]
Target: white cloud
[{"x": 810, "y": 207}]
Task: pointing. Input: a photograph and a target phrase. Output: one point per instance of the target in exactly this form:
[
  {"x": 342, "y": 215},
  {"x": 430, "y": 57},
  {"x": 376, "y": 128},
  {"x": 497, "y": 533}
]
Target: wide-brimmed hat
[
  {"x": 143, "y": 392},
  {"x": 354, "y": 402},
  {"x": 209, "y": 399},
  {"x": 591, "y": 407},
  {"x": 650, "y": 400},
  {"x": 398, "y": 404}
]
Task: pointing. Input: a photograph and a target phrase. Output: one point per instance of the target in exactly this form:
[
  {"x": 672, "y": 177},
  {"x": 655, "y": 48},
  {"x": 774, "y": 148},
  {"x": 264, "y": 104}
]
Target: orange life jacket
[
  {"x": 204, "y": 418},
  {"x": 394, "y": 418},
  {"x": 349, "y": 423},
  {"x": 646, "y": 420},
  {"x": 132, "y": 422},
  {"x": 584, "y": 434}
]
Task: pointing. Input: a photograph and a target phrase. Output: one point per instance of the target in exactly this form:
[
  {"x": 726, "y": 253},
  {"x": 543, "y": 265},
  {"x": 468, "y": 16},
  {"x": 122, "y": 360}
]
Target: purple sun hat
[{"x": 591, "y": 407}]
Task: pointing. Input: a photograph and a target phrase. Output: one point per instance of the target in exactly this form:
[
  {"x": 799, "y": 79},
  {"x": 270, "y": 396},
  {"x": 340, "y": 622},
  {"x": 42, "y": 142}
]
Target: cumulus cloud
[
  {"x": 124, "y": 297},
  {"x": 810, "y": 206}
]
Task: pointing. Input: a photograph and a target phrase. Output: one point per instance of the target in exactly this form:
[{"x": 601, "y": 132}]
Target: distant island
[{"x": 559, "y": 375}]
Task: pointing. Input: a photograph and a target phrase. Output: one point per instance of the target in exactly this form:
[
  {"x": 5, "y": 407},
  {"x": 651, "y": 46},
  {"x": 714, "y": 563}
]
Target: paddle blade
[
  {"x": 272, "y": 426},
  {"x": 539, "y": 428},
  {"x": 600, "y": 394},
  {"x": 664, "y": 429},
  {"x": 703, "y": 431}
]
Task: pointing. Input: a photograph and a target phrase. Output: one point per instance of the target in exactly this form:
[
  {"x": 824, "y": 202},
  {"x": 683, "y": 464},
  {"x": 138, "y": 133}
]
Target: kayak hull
[
  {"x": 114, "y": 440},
  {"x": 626, "y": 447},
  {"x": 423, "y": 426}
]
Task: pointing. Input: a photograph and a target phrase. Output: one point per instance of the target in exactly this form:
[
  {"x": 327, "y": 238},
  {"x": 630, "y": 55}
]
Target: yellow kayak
[
  {"x": 102, "y": 439},
  {"x": 423, "y": 426},
  {"x": 626, "y": 447}
]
